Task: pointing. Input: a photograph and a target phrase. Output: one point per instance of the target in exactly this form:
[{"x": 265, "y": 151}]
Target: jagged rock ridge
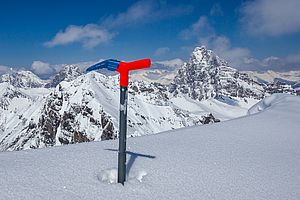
[
  {"x": 207, "y": 76},
  {"x": 67, "y": 73}
]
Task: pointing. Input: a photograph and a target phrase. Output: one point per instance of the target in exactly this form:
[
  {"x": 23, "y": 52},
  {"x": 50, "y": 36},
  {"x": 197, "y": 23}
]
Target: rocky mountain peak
[
  {"x": 208, "y": 76},
  {"x": 205, "y": 57},
  {"x": 22, "y": 79},
  {"x": 67, "y": 73},
  {"x": 200, "y": 53},
  {"x": 70, "y": 72}
]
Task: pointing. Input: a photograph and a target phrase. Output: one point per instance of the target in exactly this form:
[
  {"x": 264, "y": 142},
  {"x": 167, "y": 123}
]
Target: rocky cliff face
[
  {"x": 207, "y": 76},
  {"x": 68, "y": 73}
]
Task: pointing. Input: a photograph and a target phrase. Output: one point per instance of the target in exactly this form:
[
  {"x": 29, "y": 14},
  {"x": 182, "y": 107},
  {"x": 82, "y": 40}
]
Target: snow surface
[
  {"x": 267, "y": 102},
  {"x": 252, "y": 157}
]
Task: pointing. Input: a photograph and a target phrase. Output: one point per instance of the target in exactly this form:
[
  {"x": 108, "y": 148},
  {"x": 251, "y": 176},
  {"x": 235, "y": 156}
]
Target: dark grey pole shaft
[{"x": 122, "y": 135}]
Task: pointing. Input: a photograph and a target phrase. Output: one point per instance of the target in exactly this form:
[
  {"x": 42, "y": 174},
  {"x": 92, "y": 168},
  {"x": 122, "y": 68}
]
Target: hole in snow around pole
[{"x": 110, "y": 176}]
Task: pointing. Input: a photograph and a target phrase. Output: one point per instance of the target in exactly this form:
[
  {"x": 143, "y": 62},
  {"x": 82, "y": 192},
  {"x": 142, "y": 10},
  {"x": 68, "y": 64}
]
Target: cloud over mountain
[
  {"x": 94, "y": 34},
  {"x": 271, "y": 18},
  {"x": 89, "y": 36},
  {"x": 41, "y": 68}
]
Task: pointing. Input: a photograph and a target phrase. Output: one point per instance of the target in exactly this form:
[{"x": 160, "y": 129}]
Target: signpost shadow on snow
[{"x": 133, "y": 157}]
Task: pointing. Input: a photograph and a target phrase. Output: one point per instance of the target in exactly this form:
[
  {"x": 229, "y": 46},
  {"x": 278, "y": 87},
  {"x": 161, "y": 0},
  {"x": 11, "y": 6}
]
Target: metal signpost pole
[
  {"x": 122, "y": 135},
  {"x": 123, "y": 68}
]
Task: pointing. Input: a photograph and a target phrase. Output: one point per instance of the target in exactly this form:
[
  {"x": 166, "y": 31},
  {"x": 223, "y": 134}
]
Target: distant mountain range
[
  {"x": 291, "y": 78},
  {"x": 73, "y": 107}
]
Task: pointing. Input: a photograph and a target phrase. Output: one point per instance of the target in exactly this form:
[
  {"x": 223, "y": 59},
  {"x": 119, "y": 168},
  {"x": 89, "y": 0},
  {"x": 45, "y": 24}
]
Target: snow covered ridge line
[
  {"x": 68, "y": 72},
  {"x": 270, "y": 102},
  {"x": 85, "y": 110},
  {"x": 205, "y": 70},
  {"x": 254, "y": 157},
  {"x": 207, "y": 76},
  {"x": 291, "y": 78},
  {"x": 23, "y": 79},
  {"x": 84, "y": 107}
]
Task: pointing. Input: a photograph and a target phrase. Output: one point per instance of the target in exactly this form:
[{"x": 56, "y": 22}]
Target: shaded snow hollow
[{"x": 253, "y": 157}]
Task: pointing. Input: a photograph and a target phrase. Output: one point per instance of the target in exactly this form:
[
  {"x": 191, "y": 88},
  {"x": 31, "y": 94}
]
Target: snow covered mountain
[
  {"x": 161, "y": 76},
  {"x": 160, "y": 72},
  {"x": 67, "y": 73},
  {"x": 86, "y": 109},
  {"x": 253, "y": 157},
  {"x": 75, "y": 107},
  {"x": 276, "y": 82},
  {"x": 23, "y": 79},
  {"x": 271, "y": 76},
  {"x": 207, "y": 76}
]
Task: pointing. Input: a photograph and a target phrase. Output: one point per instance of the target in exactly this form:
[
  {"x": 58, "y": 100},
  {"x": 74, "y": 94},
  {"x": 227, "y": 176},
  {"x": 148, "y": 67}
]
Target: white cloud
[
  {"x": 161, "y": 51},
  {"x": 221, "y": 45},
  {"x": 41, "y": 68},
  {"x": 174, "y": 62},
  {"x": 196, "y": 29},
  {"x": 145, "y": 11},
  {"x": 4, "y": 69},
  {"x": 137, "y": 13},
  {"x": 271, "y": 17},
  {"x": 293, "y": 59},
  {"x": 238, "y": 57},
  {"x": 242, "y": 59},
  {"x": 92, "y": 35},
  {"x": 89, "y": 36}
]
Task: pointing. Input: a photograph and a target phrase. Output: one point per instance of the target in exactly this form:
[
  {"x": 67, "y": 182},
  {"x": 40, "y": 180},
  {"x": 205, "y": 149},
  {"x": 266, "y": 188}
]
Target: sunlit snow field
[{"x": 253, "y": 157}]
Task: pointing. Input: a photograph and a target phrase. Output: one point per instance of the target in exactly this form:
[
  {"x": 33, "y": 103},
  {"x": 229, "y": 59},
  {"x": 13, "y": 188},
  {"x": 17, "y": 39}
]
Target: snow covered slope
[
  {"x": 253, "y": 157},
  {"x": 86, "y": 109}
]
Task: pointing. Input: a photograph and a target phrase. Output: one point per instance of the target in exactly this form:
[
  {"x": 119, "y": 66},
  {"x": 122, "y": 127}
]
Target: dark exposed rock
[
  {"x": 31, "y": 125},
  {"x": 209, "y": 119},
  {"x": 278, "y": 87},
  {"x": 65, "y": 127},
  {"x": 80, "y": 137},
  {"x": 108, "y": 128},
  {"x": 50, "y": 119}
]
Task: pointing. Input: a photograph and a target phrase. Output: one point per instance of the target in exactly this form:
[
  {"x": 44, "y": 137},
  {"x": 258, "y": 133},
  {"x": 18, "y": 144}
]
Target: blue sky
[{"x": 258, "y": 34}]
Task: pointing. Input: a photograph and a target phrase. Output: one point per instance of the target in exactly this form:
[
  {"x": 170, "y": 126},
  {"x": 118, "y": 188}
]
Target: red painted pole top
[
  {"x": 125, "y": 67},
  {"x": 122, "y": 67}
]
